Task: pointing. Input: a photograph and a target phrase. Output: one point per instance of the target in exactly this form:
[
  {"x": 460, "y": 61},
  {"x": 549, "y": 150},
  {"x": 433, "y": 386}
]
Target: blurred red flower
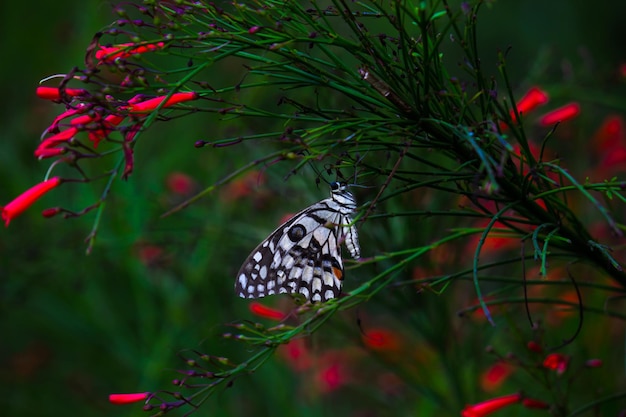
[
  {"x": 534, "y": 347},
  {"x": 488, "y": 407},
  {"x": 566, "y": 112},
  {"x": 332, "y": 371},
  {"x": 495, "y": 376},
  {"x": 243, "y": 186},
  {"x": 534, "y": 98},
  {"x": 609, "y": 135},
  {"x": 297, "y": 354},
  {"x": 594, "y": 363},
  {"x": 180, "y": 183},
  {"x": 149, "y": 254},
  {"x": 556, "y": 362},
  {"x": 382, "y": 340},
  {"x": 264, "y": 311}
]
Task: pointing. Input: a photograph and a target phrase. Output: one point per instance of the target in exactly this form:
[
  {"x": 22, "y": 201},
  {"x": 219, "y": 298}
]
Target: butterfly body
[{"x": 304, "y": 254}]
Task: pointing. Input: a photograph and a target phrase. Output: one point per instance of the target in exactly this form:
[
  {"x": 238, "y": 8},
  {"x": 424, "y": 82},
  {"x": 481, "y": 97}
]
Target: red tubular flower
[
  {"x": 569, "y": 111},
  {"x": 57, "y": 139},
  {"x": 53, "y": 141},
  {"x": 85, "y": 119},
  {"x": 125, "y": 50},
  {"x": 43, "y": 153},
  {"x": 120, "y": 399},
  {"x": 54, "y": 127},
  {"x": 149, "y": 105},
  {"x": 53, "y": 93},
  {"x": 265, "y": 311},
  {"x": 535, "y": 97},
  {"x": 556, "y": 362},
  {"x": 27, "y": 198},
  {"x": 487, "y": 407}
]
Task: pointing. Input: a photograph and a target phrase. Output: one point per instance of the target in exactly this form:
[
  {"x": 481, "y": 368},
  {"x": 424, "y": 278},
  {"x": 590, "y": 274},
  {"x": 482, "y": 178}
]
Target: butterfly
[{"x": 304, "y": 254}]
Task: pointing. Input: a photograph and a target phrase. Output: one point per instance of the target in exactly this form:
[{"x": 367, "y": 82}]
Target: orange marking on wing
[{"x": 337, "y": 273}]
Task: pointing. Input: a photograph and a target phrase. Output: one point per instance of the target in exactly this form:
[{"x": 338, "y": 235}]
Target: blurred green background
[{"x": 76, "y": 328}]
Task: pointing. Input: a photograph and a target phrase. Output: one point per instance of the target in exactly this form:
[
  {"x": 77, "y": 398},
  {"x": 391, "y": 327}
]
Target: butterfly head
[{"x": 340, "y": 194}]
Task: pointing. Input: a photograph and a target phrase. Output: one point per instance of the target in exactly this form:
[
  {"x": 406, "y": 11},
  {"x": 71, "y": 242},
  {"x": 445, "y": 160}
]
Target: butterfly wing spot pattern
[{"x": 304, "y": 254}]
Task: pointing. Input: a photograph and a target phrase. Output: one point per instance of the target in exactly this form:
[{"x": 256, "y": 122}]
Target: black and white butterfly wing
[{"x": 303, "y": 255}]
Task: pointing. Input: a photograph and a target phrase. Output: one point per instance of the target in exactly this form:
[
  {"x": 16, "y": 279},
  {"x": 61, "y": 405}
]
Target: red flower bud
[
  {"x": 51, "y": 212},
  {"x": 120, "y": 399}
]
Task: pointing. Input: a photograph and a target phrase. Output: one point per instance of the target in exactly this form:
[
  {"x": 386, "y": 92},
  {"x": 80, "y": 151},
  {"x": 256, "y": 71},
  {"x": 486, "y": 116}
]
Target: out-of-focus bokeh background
[{"x": 75, "y": 328}]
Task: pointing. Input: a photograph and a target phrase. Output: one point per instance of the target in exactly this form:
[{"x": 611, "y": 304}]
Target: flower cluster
[
  {"x": 97, "y": 119},
  {"x": 100, "y": 122}
]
